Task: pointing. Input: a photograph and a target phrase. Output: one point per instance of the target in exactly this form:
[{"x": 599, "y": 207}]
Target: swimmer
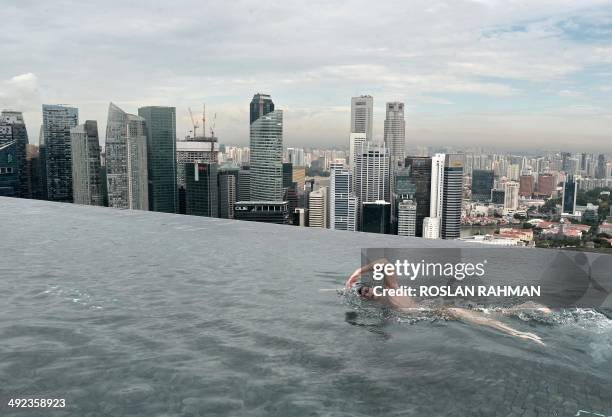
[{"x": 409, "y": 304}]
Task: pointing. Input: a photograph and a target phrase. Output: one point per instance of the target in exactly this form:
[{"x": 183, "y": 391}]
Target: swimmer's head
[{"x": 364, "y": 291}]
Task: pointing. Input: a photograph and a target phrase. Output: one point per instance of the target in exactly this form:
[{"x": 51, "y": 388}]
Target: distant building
[
  {"x": 299, "y": 177},
  {"x": 244, "y": 184},
  {"x": 266, "y": 144},
  {"x": 57, "y": 122},
  {"x": 262, "y": 211},
  {"x": 419, "y": 174},
  {"x": 202, "y": 192},
  {"x": 126, "y": 160},
  {"x": 452, "y": 197},
  {"x": 376, "y": 217},
  {"x": 343, "y": 204},
  {"x": 600, "y": 171},
  {"x": 546, "y": 184},
  {"x": 161, "y": 157},
  {"x": 9, "y": 169},
  {"x": 406, "y": 218},
  {"x": 431, "y": 227},
  {"x": 568, "y": 200},
  {"x": 13, "y": 128},
  {"x": 395, "y": 133},
  {"x": 228, "y": 180},
  {"x": 372, "y": 173},
  {"x": 526, "y": 185},
  {"x": 482, "y": 184},
  {"x": 86, "y": 179},
  {"x": 362, "y": 113},
  {"x": 511, "y": 196},
  {"x": 317, "y": 208},
  {"x": 498, "y": 196}
]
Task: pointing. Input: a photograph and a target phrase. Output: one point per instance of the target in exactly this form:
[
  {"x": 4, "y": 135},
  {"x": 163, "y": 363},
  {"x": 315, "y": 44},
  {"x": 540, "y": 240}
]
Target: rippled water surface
[{"x": 143, "y": 314}]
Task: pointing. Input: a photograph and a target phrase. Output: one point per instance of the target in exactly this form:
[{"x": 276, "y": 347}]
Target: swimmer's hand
[
  {"x": 359, "y": 271},
  {"x": 528, "y": 336}
]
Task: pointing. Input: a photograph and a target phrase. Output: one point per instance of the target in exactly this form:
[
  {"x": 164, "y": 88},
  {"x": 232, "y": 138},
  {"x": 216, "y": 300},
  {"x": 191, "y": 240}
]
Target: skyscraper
[
  {"x": 57, "y": 122},
  {"x": 406, "y": 218},
  {"x": 244, "y": 184},
  {"x": 437, "y": 186},
  {"x": 372, "y": 173},
  {"x": 126, "y": 160},
  {"x": 86, "y": 180},
  {"x": 482, "y": 184},
  {"x": 343, "y": 204},
  {"x": 266, "y": 162},
  {"x": 419, "y": 173},
  {"x": 600, "y": 171},
  {"x": 395, "y": 133},
  {"x": 202, "y": 192},
  {"x": 568, "y": 200},
  {"x": 452, "y": 197},
  {"x": 317, "y": 205},
  {"x": 546, "y": 184},
  {"x": 362, "y": 112},
  {"x": 9, "y": 168},
  {"x": 12, "y": 127},
  {"x": 161, "y": 157},
  {"x": 527, "y": 185}
]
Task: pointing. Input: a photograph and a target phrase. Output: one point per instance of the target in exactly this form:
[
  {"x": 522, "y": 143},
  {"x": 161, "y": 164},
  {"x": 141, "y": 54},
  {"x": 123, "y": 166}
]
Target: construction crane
[{"x": 194, "y": 123}]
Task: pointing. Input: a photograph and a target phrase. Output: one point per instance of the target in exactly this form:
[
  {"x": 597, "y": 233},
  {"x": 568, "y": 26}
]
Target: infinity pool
[{"x": 125, "y": 313}]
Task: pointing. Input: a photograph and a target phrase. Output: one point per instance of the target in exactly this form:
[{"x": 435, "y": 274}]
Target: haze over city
[{"x": 507, "y": 74}]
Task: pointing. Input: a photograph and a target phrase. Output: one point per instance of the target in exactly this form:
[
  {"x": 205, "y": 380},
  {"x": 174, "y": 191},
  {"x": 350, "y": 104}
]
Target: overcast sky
[{"x": 517, "y": 74}]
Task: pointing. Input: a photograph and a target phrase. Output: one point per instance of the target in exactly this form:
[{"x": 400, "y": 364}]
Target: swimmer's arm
[
  {"x": 480, "y": 319},
  {"x": 360, "y": 271}
]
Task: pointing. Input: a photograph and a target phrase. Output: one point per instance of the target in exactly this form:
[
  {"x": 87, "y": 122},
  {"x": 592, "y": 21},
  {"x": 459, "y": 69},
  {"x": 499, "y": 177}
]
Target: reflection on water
[{"x": 146, "y": 314}]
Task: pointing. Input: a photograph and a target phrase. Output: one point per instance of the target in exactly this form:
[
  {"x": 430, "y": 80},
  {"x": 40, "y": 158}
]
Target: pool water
[{"x": 125, "y": 313}]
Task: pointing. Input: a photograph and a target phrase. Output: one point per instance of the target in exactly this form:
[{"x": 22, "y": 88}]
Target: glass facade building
[
  {"x": 86, "y": 179},
  {"x": 57, "y": 122},
  {"x": 161, "y": 157},
  {"x": 482, "y": 184},
  {"x": 202, "y": 191}
]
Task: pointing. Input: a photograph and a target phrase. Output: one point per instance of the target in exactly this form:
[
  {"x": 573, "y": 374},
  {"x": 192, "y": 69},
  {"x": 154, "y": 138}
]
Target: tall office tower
[
  {"x": 452, "y": 197},
  {"x": 287, "y": 174},
  {"x": 437, "y": 187},
  {"x": 317, "y": 208},
  {"x": 262, "y": 211},
  {"x": 527, "y": 185},
  {"x": 372, "y": 173},
  {"x": 513, "y": 172},
  {"x": 419, "y": 169},
  {"x": 261, "y": 105},
  {"x": 228, "y": 180},
  {"x": 57, "y": 122},
  {"x": 343, "y": 204},
  {"x": 202, "y": 192},
  {"x": 431, "y": 228},
  {"x": 12, "y": 127},
  {"x": 568, "y": 200},
  {"x": 126, "y": 160},
  {"x": 482, "y": 184},
  {"x": 244, "y": 184},
  {"x": 85, "y": 148},
  {"x": 362, "y": 113},
  {"x": 395, "y": 133},
  {"x": 511, "y": 196},
  {"x": 546, "y": 184},
  {"x": 406, "y": 218},
  {"x": 376, "y": 217},
  {"x": 296, "y": 156},
  {"x": 161, "y": 157},
  {"x": 266, "y": 150},
  {"x": 600, "y": 171}
]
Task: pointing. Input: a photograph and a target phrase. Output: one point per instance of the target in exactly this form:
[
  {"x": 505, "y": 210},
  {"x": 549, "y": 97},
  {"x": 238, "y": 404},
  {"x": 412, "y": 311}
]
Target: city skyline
[{"x": 469, "y": 73}]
